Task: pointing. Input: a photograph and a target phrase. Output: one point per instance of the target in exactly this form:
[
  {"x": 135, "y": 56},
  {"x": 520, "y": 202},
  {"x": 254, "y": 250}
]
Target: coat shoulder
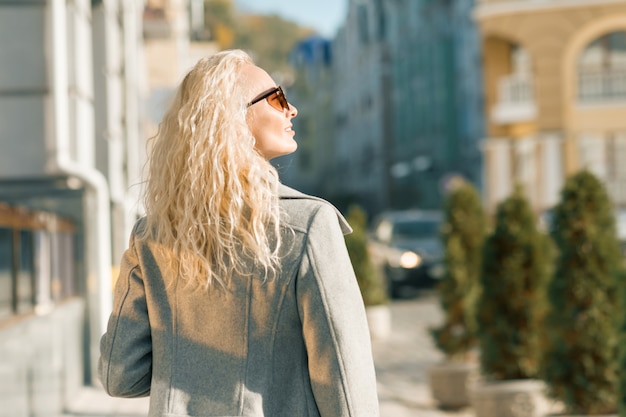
[{"x": 300, "y": 208}]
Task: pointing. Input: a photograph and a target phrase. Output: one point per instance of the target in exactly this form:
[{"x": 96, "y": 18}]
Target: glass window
[
  {"x": 67, "y": 266},
  {"x": 37, "y": 265},
  {"x": 608, "y": 51},
  {"x": 43, "y": 295},
  {"x": 6, "y": 272},
  {"x": 62, "y": 269},
  {"x": 25, "y": 272},
  {"x": 416, "y": 229},
  {"x": 602, "y": 69},
  {"x": 363, "y": 24},
  {"x": 56, "y": 282}
]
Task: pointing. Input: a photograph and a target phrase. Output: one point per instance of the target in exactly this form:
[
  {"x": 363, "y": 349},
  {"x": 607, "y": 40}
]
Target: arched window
[{"x": 602, "y": 69}]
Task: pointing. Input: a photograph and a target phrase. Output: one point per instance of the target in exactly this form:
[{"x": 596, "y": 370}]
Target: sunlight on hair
[{"x": 211, "y": 198}]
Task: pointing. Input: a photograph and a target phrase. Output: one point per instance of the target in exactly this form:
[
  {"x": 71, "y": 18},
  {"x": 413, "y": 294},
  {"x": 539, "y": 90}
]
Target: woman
[{"x": 236, "y": 296}]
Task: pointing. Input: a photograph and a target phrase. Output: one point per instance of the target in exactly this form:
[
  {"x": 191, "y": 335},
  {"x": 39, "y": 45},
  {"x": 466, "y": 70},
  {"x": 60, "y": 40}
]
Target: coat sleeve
[
  {"x": 334, "y": 324},
  {"x": 125, "y": 364}
]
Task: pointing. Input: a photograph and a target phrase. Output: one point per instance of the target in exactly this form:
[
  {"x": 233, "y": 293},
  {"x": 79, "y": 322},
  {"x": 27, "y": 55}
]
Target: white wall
[{"x": 23, "y": 90}]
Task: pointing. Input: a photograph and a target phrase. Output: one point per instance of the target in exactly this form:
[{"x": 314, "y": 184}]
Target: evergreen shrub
[
  {"x": 622, "y": 343},
  {"x": 580, "y": 363},
  {"x": 370, "y": 279},
  {"x": 462, "y": 234},
  {"x": 515, "y": 269}
]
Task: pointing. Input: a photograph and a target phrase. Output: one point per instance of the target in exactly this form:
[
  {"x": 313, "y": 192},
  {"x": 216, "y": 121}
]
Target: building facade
[
  {"x": 437, "y": 103},
  {"x": 555, "y": 88},
  {"x": 407, "y": 104},
  {"x": 359, "y": 167},
  {"x": 71, "y": 135},
  {"x": 308, "y": 168}
]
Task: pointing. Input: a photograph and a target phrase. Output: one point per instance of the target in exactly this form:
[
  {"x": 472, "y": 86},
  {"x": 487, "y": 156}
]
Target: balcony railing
[
  {"x": 597, "y": 86},
  {"x": 515, "y": 100}
]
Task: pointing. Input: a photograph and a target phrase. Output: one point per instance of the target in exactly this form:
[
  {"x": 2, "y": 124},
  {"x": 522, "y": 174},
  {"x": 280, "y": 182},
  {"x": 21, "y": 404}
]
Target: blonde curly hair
[{"x": 211, "y": 199}]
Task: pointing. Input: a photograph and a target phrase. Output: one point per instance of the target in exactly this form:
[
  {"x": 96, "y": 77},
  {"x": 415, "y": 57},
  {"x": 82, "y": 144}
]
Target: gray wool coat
[{"x": 294, "y": 346}]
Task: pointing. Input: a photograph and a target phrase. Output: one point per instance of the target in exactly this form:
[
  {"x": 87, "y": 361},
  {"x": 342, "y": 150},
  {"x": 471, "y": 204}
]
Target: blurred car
[{"x": 407, "y": 246}]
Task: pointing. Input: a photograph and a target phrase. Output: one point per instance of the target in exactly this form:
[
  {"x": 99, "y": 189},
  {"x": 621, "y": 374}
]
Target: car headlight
[{"x": 410, "y": 260}]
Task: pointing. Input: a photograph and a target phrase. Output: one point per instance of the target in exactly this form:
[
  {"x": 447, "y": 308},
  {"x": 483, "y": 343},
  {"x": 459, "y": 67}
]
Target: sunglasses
[{"x": 275, "y": 97}]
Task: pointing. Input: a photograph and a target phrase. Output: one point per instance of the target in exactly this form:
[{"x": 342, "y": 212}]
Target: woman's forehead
[{"x": 256, "y": 79}]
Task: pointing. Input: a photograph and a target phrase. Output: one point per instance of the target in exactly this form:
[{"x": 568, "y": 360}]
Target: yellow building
[{"x": 555, "y": 95}]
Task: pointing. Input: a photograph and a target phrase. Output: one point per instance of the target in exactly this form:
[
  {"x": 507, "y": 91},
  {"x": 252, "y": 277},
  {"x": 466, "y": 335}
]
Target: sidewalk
[
  {"x": 94, "y": 402},
  {"x": 401, "y": 362}
]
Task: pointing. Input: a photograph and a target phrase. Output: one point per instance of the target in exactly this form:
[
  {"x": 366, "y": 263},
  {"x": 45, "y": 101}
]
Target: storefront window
[
  {"x": 36, "y": 261},
  {"x": 42, "y": 258},
  {"x": 66, "y": 264},
  {"x": 25, "y": 272},
  {"x": 6, "y": 272}
]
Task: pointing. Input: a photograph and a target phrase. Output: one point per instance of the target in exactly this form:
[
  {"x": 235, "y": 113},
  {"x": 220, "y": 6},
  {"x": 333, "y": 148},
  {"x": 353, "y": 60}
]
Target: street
[{"x": 402, "y": 362}]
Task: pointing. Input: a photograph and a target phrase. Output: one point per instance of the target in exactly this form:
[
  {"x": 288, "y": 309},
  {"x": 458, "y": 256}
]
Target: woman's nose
[{"x": 293, "y": 111}]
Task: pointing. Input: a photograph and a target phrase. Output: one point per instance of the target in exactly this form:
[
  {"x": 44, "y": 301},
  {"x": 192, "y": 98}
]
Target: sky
[{"x": 325, "y": 16}]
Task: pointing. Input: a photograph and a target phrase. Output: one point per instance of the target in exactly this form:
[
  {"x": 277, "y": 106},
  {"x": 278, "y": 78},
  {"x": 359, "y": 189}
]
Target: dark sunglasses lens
[
  {"x": 278, "y": 101},
  {"x": 282, "y": 98},
  {"x": 275, "y": 102}
]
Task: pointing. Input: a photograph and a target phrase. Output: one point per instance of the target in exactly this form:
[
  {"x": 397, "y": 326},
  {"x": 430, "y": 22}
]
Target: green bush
[
  {"x": 371, "y": 283},
  {"x": 515, "y": 269},
  {"x": 580, "y": 363},
  {"x": 622, "y": 343},
  {"x": 463, "y": 233}
]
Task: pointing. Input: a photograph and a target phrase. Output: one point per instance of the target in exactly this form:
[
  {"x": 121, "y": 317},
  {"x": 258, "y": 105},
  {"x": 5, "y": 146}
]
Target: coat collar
[{"x": 288, "y": 193}]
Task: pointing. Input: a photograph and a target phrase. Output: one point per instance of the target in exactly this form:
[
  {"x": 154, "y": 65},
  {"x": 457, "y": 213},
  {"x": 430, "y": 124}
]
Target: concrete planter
[
  {"x": 514, "y": 398},
  {"x": 450, "y": 383},
  {"x": 580, "y": 415},
  {"x": 379, "y": 321}
]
